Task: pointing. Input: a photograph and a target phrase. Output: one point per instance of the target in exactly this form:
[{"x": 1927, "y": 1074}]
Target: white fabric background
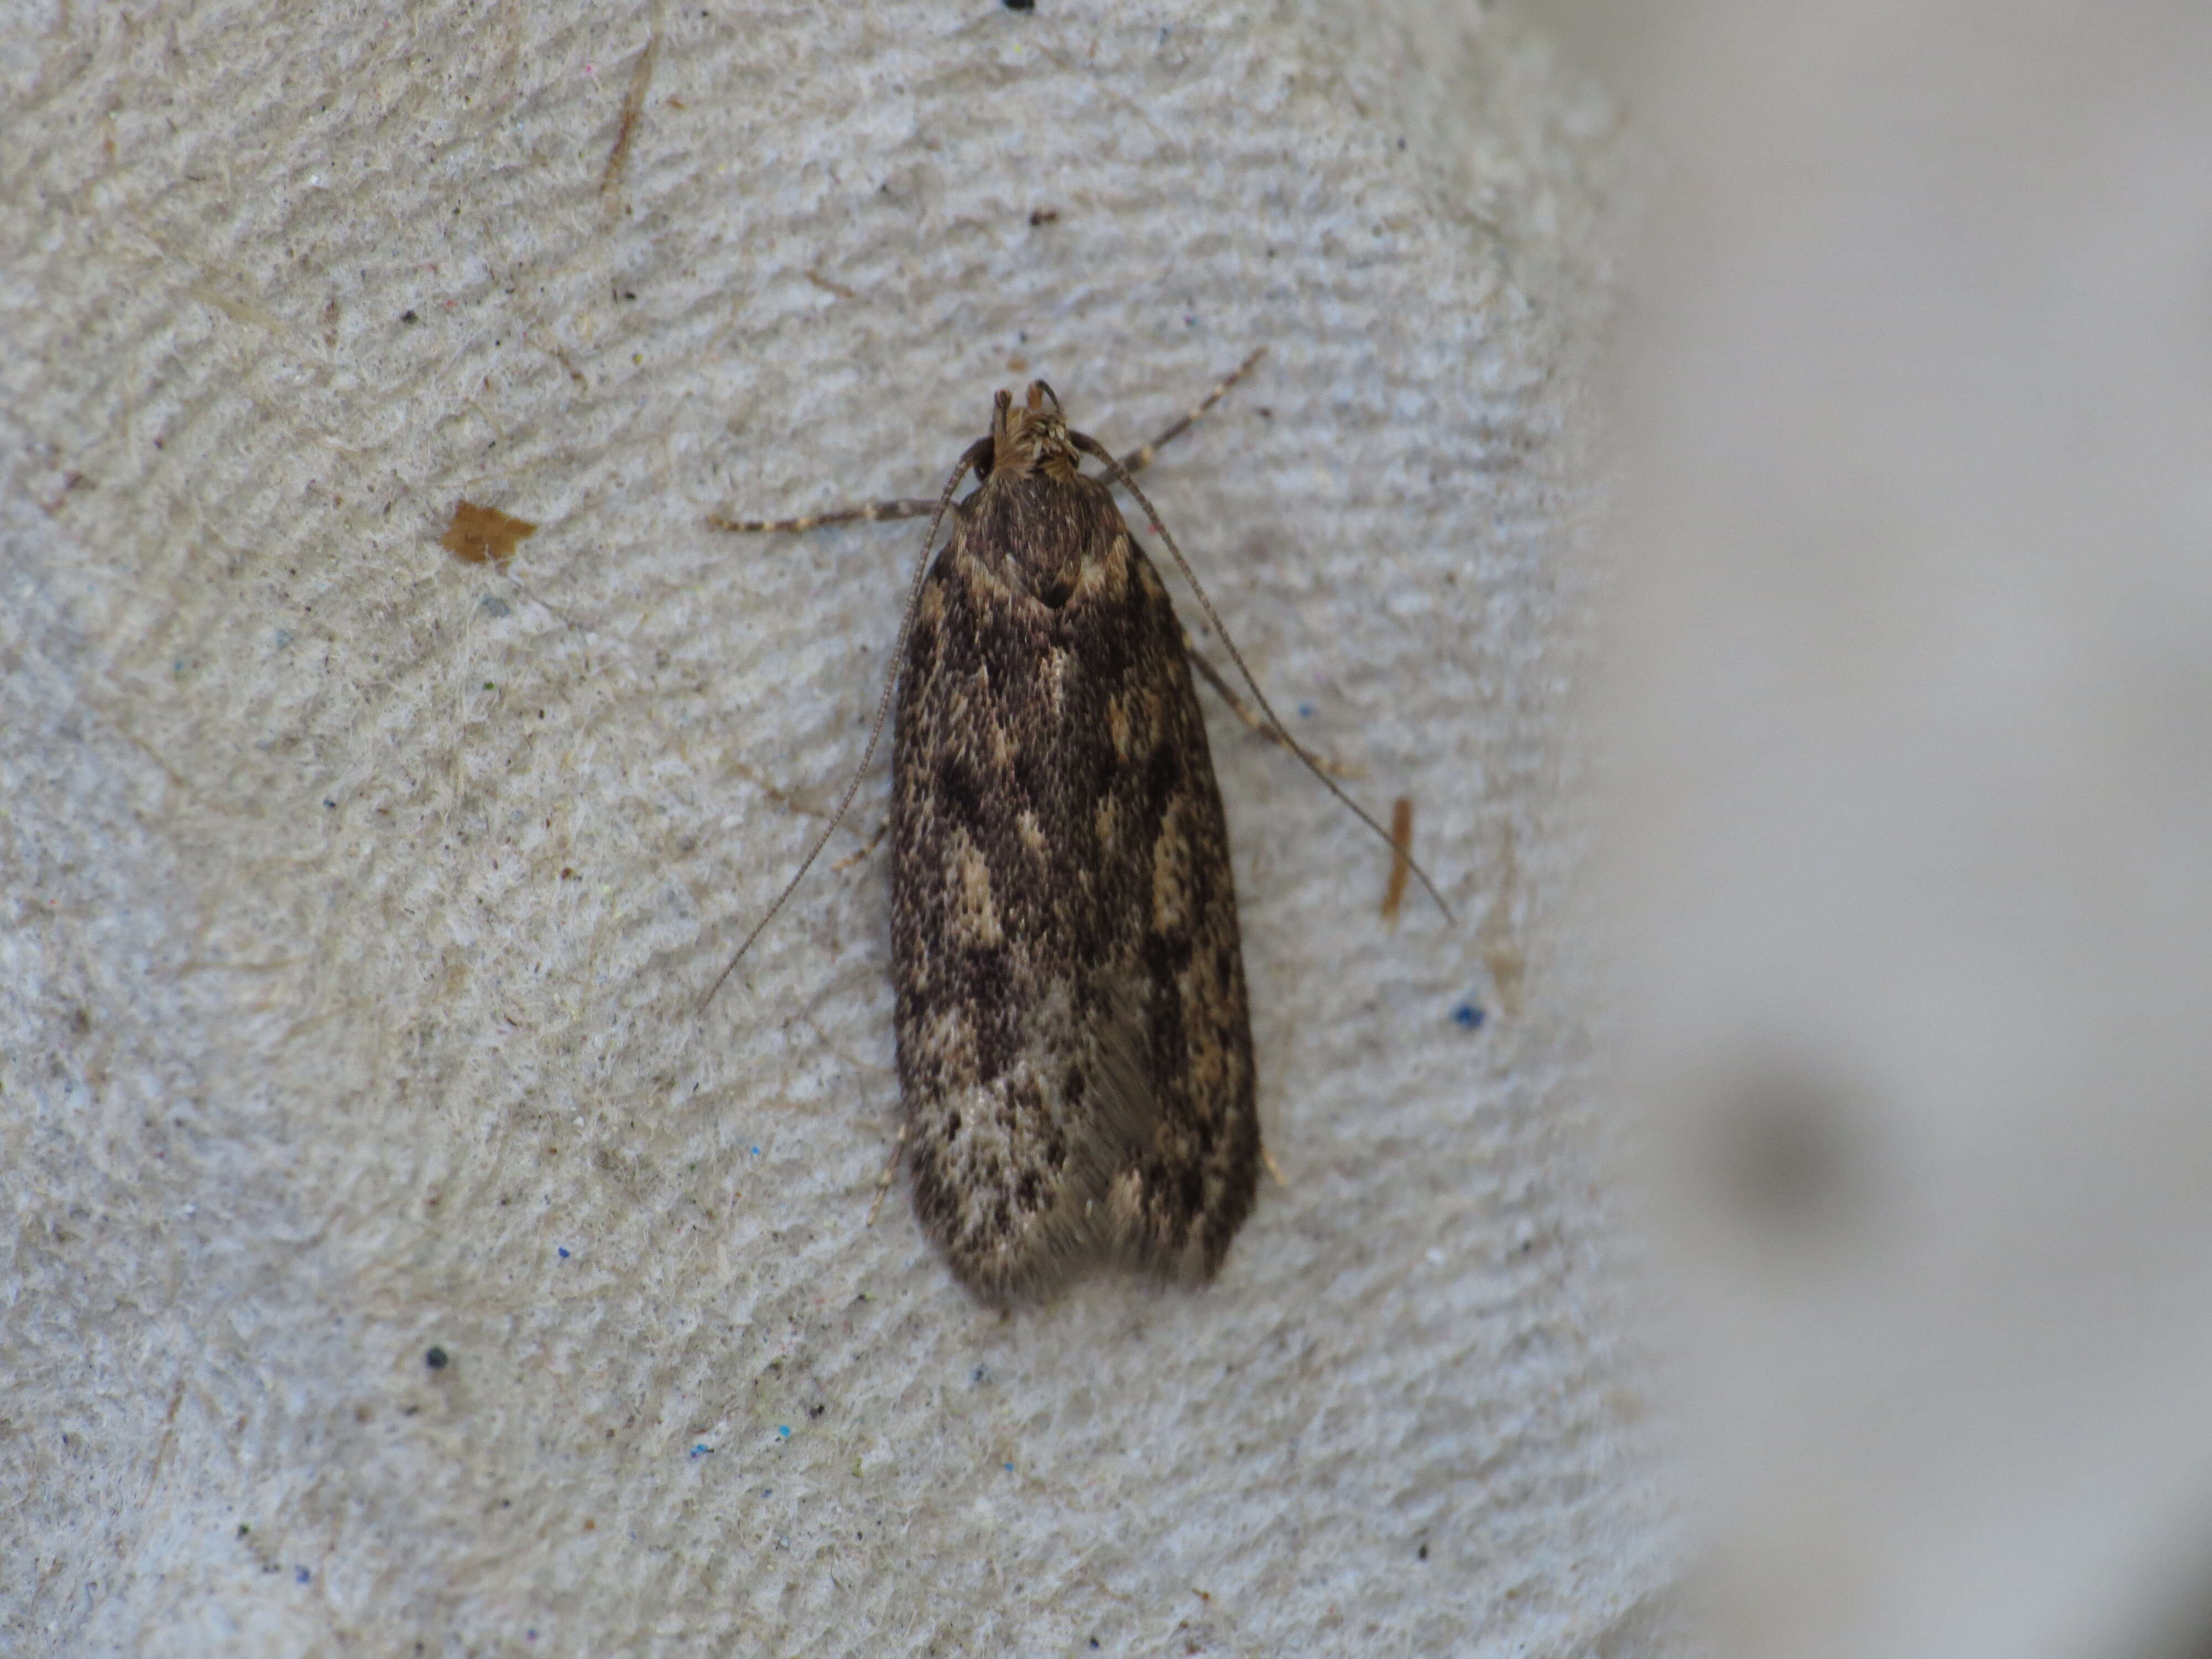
[{"x": 357, "y": 899}]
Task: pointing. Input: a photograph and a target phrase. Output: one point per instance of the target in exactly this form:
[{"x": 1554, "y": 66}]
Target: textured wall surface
[{"x": 358, "y": 899}]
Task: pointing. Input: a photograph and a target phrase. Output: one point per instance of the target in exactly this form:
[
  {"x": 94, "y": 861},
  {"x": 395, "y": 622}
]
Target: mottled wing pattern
[{"x": 1074, "y": 1055}]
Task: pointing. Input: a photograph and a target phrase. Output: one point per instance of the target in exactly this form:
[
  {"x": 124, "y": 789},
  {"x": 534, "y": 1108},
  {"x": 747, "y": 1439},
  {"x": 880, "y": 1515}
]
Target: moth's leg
[
  {"x": 890, "y": 1169},
  {"x": 1238, "y": 707},
  {"x": 874, "y": 841},
  {"x": 873, "y": 513},
  {"x": 1139, "y": 457}
]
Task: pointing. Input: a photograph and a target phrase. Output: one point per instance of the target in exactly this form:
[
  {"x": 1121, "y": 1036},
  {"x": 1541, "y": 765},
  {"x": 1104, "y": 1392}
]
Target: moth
[{"x": 1074, "y": 1048}]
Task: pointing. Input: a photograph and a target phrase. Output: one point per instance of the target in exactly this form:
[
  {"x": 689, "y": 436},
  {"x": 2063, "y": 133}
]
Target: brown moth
[
  {"x": 1073, "y": 1049},
  {"x": 1074, "y": 1052}
]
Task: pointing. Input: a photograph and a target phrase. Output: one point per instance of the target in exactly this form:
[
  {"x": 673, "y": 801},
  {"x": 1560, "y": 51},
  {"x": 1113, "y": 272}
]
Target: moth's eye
[{"x": 984, "y": 462}]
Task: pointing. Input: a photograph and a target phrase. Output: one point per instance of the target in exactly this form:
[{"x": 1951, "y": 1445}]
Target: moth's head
[{"x": 1029, "y": 438}]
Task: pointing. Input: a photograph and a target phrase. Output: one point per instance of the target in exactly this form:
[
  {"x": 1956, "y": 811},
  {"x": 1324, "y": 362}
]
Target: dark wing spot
[
  {"x": 957, "y": 789},
  {"x": 1105, "y": 769},
  {"x": 1166, "y": 955},
  {"x": 1169, "y": 1045},
  {"x": 986, "y": 982},
  {"x": 1190, "y": 1187},
  {"x": 1163, "y": 776}
]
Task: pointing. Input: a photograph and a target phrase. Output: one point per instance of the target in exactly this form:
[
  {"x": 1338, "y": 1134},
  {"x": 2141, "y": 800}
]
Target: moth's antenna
[
  {"x": 1090, "y": 446},
  {"x": 882, "y": 712}
]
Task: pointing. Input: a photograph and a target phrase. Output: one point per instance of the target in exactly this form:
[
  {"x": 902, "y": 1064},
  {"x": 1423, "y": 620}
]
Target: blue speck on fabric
[
  {"x": 563, "y": 1248},
  {"x": 1305, "y": 711},
  {"x": 301, "y": 1575},
  {"x": 754, "y": 1150},
  {"x": 700, "y": 1451},
  {"x": 1468, "y": 1016},
  {"x": 783, "y": 1429},
  {"x": 1010, "y": 1468}
]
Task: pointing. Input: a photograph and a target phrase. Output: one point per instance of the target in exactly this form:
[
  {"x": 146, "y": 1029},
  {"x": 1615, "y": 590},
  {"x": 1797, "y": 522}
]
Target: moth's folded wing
[{"x": 1011, "y": 1176}]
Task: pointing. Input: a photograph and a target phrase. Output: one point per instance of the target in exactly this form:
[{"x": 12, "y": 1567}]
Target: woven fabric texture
[{"x": 359, "y": 897}]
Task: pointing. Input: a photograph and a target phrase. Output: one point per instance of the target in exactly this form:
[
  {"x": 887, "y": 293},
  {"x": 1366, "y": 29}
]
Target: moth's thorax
[
  {"x": 1040, "y": 534},
  {"x": 1034, "y": 518}
]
